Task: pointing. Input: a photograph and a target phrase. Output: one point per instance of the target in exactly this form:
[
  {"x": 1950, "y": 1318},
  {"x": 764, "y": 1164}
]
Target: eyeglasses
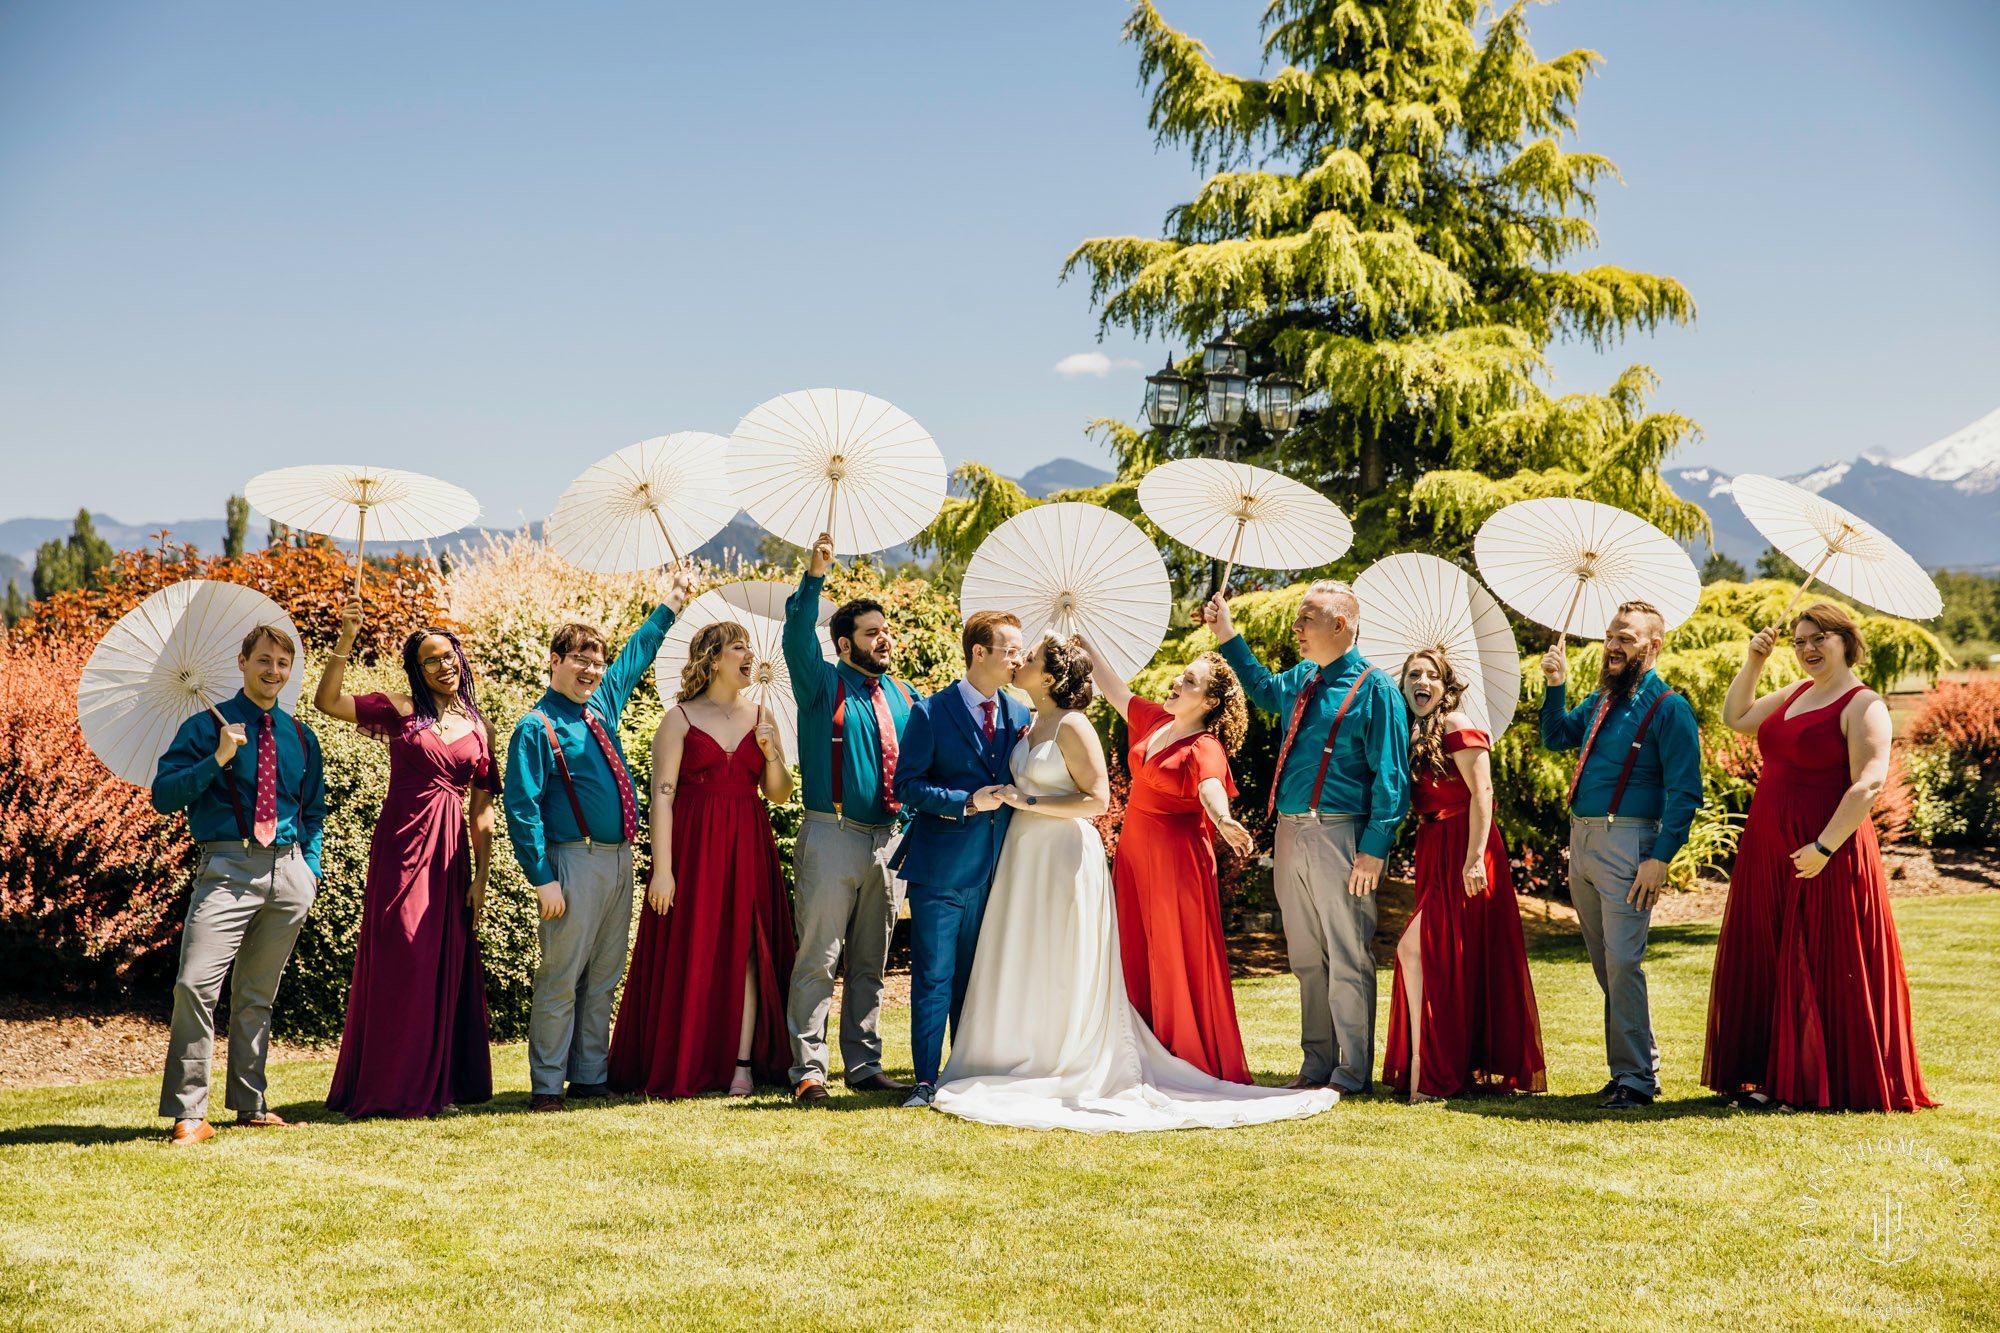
[
  {"x": 1800, "y": 645},
  {"x": 437, "y": 663},
  {"x": 584, "y": 663}
]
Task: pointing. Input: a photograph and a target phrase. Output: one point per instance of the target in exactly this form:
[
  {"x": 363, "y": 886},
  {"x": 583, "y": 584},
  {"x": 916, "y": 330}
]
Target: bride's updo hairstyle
[{"x": 1069, "y": 674}]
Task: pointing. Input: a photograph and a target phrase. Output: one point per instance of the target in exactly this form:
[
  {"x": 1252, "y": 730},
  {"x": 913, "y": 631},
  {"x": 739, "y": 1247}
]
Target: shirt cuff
[
  {"x": 1376, "y": 842},
  {"x": 1666, "y": 847}
]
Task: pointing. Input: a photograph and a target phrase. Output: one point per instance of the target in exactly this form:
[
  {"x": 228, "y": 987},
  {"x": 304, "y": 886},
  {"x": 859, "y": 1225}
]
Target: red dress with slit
[
  {"x": 683, "y": 1006},
  {"x": 1170, "y": 939},
  {"x": 1808, "y": 1002},
  {"x": 417, "y": 1032},
  {"x": 1481, "y": 1029}
]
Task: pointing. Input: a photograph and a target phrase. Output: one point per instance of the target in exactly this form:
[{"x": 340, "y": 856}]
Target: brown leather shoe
[
  {"x": 1300, "y": 1083},
  {"x": 546, "y": 1101},
  {"x": 265, "y": 1120},
  {"x": 809, "y": 1092},
  {"x": 877, "y": 1083},
  {"x": 187, "y": 1133}
]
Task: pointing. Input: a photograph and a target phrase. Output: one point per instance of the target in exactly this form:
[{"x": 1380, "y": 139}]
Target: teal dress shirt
[
  {"x": 538, "y": 811},
  {"x": 1666, "y": 780},
  {"x": 188, "y": 778},
  {"x": 817, "y": 686},
  {"x": 1368, "y": 773}
]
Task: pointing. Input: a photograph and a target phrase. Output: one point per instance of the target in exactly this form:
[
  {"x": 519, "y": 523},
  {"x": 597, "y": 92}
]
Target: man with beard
[
  {"x": 851, "y": 720},
  {"x": 1636, "y": 787}
]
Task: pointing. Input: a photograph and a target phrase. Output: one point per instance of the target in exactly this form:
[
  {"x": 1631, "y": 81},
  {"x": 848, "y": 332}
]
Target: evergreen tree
[
  {"x": 238, "y": 510},
  {"x": 65, "y": 565},
  {"x": 1386, "y": 222},
  {"x": 1775, "y": 564},
  {"x": 1722, "y": 569},
  {"x": 16, "y": 606}
]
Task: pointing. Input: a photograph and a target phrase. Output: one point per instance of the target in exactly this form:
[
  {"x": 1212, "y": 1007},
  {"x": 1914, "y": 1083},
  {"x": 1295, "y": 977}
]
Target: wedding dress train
[{"x": 1047, "y": 1038}]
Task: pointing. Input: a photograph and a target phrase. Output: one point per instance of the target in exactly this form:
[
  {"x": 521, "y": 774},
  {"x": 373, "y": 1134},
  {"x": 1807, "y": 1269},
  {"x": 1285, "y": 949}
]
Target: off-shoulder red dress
[
  {"x": 1481, "y": 1029},
  {"x": 417, "y": 1027},
  {"x": 1169, "y": 904},
  {"x": 683, "y": 1005},
  {"x": 1808, "y": 1002}
]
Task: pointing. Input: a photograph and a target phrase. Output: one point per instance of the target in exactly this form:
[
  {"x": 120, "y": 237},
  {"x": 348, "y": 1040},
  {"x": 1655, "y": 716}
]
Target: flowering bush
[
  {"x": 312, "y": 580},
  {"x": 91, "y": 879},
  {"x": 1954, "y": 763}
]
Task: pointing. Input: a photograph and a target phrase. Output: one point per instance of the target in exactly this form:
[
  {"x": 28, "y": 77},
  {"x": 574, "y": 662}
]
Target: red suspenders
[
  {"x": 1632, "y": 756},
  {"x": 1333, "y": 730},
  {"x": 229, "y": 779},
  {"x": 840, "y": 729},
  {"x": 562, "y": 771}
]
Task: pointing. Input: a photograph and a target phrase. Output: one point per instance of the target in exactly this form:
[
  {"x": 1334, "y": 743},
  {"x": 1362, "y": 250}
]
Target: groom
[{"x": 953, "y": 765}]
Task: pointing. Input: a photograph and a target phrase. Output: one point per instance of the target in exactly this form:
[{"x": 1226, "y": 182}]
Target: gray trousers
[
  {"x": 242, "y": 921},
  {"x": 1603, "y": 861},
  {"x": 583, "y": 960},
  {"x": 1327, "y": 932},
  {"x": 844, "y": 899}
]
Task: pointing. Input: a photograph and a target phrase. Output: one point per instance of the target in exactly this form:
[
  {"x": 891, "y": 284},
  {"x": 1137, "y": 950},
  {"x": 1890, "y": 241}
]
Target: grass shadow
[{"x": 82, "y": 1136}]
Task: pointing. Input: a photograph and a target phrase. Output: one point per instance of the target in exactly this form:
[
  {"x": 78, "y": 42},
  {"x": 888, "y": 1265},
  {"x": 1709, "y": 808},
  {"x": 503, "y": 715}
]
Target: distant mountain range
[{"x": 1941, "y": 503}]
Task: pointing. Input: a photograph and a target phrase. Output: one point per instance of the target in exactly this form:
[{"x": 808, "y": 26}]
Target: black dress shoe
[
  {"x": 1625, "y": 1099},
  {"x": 877, "y": 1083},
  {"x": 584, "y": 1091}
]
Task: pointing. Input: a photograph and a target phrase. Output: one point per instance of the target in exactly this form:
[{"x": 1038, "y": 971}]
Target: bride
[{"x": 1047, "y": 1038}]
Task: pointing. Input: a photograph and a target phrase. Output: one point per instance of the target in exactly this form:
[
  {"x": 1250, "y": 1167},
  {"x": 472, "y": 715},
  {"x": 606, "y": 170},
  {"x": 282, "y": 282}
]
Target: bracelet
[
  {"x": 342, "y": 656},
  {"x": 1823, "y": 850}
]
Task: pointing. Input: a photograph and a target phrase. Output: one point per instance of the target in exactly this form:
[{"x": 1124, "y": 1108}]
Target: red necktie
[
  {"x": 628, "y": 802},
  {"x": 1603, "y": 707},
  {"x": 988, "y": 705},
  {"x": 1291, "y": 734},
  {"x": 885, "y": 733},
  {"x": 265, "y": 828}
]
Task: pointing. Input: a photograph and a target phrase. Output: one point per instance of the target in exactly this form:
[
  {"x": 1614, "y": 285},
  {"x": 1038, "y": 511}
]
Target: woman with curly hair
[
  {"x": 1462, "y": 1017},
  {"x": 1169, "y": 901},
  {"x": 704, "y": 1006},
  {"x": 415, "y": 1042}
]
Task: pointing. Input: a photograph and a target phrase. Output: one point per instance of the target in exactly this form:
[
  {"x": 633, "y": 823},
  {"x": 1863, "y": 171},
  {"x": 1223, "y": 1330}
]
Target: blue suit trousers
[{"x": 944, "y": 930}]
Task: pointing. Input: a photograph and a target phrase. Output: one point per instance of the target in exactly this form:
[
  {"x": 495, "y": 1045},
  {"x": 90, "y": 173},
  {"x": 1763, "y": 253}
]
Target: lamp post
[
  {"x": 1278, "y": 407},
  {"x": 1225, "y": 365},
  {"x": 1166, "y": 397}
]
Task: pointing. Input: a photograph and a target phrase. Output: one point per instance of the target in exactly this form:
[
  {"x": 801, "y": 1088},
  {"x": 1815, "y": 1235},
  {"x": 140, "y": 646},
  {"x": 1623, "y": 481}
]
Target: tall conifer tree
[{"x": 1387, "y": 220}]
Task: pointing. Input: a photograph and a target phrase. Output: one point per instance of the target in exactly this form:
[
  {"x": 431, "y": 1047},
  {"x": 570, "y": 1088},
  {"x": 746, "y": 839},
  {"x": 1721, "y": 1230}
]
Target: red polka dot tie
[
  {"x": 628, "y": 801},
  {"x": 266, "y": 826}
]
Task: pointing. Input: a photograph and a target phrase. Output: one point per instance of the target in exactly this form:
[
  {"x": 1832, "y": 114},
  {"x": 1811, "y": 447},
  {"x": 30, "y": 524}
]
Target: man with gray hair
[{"x": 1341, "y": 787}]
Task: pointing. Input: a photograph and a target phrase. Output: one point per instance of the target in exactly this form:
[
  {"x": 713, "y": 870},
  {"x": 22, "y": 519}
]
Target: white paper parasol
[
  {"x": 758, "y": 606},
  {"x": 166, "y": 659},
  {"x": 839, "y": 461},
  {"x": 646, "y": 504},
  {"x": 1075, "y": 569},
  {"x": 348, "y": 503},
  {"x": 1567, "y": 564},
  {"x": 1419, "y": 601},
  {"x": 1846, "y": 553},
  {"x": 1233, "y": 511}
]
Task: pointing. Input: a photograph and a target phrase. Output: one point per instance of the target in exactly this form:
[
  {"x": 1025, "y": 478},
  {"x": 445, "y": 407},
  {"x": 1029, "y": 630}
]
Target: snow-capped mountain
[
  {"x": 1969, "y": 459},
  {"x": 1941, "y": 503}
]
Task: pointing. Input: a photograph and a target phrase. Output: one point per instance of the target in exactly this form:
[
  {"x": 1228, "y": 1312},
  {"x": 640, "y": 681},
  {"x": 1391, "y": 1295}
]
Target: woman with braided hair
[{"x": 1462, "y": 1017}]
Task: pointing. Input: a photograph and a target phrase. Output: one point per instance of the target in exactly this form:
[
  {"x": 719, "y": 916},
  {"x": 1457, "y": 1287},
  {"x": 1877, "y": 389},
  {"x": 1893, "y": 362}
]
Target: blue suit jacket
[{"x": 943, "y": 760}]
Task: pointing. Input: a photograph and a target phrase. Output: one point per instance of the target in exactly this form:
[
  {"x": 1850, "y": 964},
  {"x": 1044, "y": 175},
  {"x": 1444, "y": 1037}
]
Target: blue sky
[{"x": 496, "y": 242}]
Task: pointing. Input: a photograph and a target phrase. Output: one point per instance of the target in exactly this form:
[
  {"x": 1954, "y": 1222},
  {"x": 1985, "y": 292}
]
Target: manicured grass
[{"x": 1529, "y": 1213}]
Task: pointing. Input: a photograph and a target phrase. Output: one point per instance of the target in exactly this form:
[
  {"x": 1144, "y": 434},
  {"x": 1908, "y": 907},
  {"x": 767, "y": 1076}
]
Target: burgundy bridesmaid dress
[
  {"x": 1808, "y": 1002},
  {"x": 683, "y": 1006},
  {"x": 1481, "y": 1029},
  {"x": 417, "y": 1028},
  {"x": 1170, "y": 937}
]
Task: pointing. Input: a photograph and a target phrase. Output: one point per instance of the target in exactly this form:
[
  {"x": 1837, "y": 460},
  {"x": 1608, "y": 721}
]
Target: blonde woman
[{"x": 704, "y": 1006}]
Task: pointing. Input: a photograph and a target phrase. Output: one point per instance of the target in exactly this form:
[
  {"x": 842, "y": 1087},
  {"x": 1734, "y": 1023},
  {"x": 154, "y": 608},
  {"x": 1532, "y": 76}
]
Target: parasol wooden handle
[
  {"x": 671, "y": 548},
  {"x": 1229, "y": 566},
  {"x": 360, "y": 547},
  {"x": 832, "y": 499},
  {"x": 1562, "y": 636},
  {"x": 1811, "y": 574}
]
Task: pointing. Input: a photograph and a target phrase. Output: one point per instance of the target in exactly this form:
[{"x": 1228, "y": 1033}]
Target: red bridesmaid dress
[
  {"x": 1481, "y": 1029},
  {"x": 683, "y": 1004},
  {"x": 416, "y": 1038},
  {"x": 1808, "y": 1001},
  {"x": 1169, "y": 905}
]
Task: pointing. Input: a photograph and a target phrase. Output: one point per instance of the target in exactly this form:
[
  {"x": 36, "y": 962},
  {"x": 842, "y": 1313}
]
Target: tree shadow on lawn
[{"x": 82, "y": 1136}]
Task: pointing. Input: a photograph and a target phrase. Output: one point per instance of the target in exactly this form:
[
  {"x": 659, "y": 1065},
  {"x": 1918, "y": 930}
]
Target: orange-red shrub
[
  {"x": 90, "y": 876},
  {"x": 311, "y": 580},
  {"x": 1964, "y": 718}
]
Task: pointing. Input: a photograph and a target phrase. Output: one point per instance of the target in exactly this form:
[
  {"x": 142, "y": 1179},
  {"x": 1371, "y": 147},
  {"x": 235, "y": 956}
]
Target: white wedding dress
[{"x": 1047, "y": 1038}]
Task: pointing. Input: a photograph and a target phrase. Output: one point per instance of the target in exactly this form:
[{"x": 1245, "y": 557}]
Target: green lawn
[{"x": 1536, "y": 1212}]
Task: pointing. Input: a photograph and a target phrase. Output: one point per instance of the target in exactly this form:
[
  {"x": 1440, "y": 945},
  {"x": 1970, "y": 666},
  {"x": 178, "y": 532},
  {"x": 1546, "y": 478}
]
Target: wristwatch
[
  {"x": 1823, "y": 850},
  {"x": 1030, "y": 800}
]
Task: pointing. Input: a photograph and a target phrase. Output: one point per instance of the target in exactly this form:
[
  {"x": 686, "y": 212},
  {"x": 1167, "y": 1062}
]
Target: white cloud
[{"x": 1092, "y": 363}]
